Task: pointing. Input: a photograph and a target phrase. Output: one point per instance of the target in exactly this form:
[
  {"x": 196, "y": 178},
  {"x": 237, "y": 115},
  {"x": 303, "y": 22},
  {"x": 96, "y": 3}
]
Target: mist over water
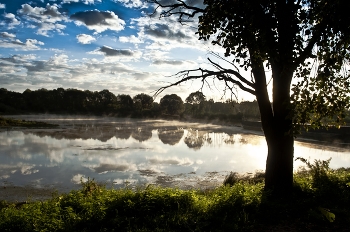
[{"x": 119, "y": 152}]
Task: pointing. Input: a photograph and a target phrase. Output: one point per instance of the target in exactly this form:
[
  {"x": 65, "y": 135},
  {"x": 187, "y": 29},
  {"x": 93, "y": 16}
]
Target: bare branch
[
  {"x": 221, "y": 58},
  {"x": 235, "y": 73},
  {"x": 222, "y": 75},
  {"x": 176, "y": 9}
]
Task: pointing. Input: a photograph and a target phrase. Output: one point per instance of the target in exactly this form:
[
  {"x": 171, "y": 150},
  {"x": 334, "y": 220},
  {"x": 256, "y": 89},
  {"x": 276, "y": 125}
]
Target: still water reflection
[{"x": 118, "y": 151}]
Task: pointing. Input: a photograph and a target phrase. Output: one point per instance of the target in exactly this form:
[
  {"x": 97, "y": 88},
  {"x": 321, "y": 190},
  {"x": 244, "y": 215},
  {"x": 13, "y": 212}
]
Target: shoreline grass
[
  {"x": 320, "y": 201},
  {"x": 9, "y": 122}
]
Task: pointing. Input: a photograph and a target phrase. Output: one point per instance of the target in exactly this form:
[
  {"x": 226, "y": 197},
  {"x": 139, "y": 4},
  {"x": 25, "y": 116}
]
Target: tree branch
[
  {"x": 235, "y": 73},
  {"x": 178, "y": 6},
  {"x": 222, "y": 75},
  {"x": 308, "y": 49}
]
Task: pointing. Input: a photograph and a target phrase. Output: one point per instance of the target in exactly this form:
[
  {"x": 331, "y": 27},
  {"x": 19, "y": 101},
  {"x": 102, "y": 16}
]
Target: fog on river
[{"x": 122, "y": 152}]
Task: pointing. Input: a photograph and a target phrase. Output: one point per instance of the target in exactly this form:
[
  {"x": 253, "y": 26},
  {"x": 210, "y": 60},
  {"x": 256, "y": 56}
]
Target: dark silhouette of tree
[
  {"x": 144, "y": 100},
  {"x": 10, "y": 102},
  {"x": 143, "y": 105},
  {"x": 171, "y": 104},
  {"x": 307, "y": 40},
  {"x": 197, "y": 102},
  {"x": 124, "y": 104},
  {"x": 249, "y": 110}
]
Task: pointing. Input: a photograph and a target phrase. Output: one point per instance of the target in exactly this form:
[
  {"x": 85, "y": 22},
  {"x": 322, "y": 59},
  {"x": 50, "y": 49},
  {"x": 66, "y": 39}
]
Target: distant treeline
[{"x": 73, "y": 101}]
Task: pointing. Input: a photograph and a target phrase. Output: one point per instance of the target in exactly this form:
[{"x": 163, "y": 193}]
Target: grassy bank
[
  {"x": 320, "y": 201},
  {"x": 9, "y": 122}
]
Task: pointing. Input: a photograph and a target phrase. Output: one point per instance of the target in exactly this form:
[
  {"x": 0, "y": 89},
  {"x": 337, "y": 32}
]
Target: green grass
[
  {"x": 320, "y": 201},
  {"x": 9, "y": 122}
]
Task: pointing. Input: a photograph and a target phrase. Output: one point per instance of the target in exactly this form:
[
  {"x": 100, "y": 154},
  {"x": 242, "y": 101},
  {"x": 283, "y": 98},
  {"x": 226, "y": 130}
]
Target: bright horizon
[{"x": 96, "y": 45}]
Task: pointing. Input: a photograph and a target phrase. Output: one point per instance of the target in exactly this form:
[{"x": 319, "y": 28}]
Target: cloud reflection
[
  {"x": 104, "y": 168},
  {"x": 170, "y": 161},
  {"x": 138, "y": 151}
]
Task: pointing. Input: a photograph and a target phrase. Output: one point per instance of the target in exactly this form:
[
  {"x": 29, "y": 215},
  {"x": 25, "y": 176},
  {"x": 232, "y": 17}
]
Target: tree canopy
[
  {"x": 171, "y": 104},
  {"x": 304, "y": 44}
]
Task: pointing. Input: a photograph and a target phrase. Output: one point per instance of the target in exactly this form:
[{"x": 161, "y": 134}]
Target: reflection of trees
[
  {"x": 123, "y": 133},
  {"x": 195, "y": 140},
  {"x": 170, "y": 136},
  {"x": 142, "y": 134},
  {"x": 84, "y": 132},
  {"x": 251, "y": 139},
  {"x": 230, "y": 140}
]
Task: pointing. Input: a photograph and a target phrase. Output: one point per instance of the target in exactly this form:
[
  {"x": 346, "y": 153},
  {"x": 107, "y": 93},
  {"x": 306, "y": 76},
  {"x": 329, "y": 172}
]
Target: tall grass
[{"x": 320, "y": 201}]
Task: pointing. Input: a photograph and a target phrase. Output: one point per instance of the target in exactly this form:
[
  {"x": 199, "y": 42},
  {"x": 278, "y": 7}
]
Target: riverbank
[
  {"x": 11, "y": 122},
  {"x": 320, "y": 201}
]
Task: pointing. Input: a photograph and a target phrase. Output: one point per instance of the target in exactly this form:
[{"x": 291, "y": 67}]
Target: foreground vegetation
[{"x": 320, "y": 201}]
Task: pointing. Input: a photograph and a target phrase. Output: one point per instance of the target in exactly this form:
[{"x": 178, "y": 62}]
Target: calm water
[{"x": 120, "y": 152}]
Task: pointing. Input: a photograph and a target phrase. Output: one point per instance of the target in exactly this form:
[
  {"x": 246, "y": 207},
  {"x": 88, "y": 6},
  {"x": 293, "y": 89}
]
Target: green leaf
[{"x": 329, "y": 215}]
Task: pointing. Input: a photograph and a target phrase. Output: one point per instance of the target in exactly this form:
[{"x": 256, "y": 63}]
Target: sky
[{"x": 99, "y": 44}]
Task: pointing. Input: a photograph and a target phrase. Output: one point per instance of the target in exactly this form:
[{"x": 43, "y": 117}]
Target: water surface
[{"x": 123, "y": 152}]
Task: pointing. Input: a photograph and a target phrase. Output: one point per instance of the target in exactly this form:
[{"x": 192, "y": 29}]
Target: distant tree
[
  {"x": 143, "y": 104},
  {"x": 145, "y": 100},
  {"x": 10, "y": 102},
  {"x": 172, "y": 104},
  {"x": 195, "y": 98},
  {"x": 73, "y": 101},
  {"x": 197, "y": 102},
  {"x": 249, "y": 110},
  {"x": 107, "y": 101},
  {"x": 124, "y": 104}
]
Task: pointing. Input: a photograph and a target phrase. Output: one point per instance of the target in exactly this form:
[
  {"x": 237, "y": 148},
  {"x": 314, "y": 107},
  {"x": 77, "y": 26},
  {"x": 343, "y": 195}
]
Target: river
[{"x": 130, "y": 152}]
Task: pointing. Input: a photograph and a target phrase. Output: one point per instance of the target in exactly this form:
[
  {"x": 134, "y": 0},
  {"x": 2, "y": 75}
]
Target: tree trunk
[
  {"x": 279, "y": 163},
  {"x": 276, "y": 126},
  {"x": 280, "y": 140}
]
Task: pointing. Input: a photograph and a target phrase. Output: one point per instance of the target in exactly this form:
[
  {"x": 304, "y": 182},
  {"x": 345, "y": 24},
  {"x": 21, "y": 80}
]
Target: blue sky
[{"x": 96, "y": 45}]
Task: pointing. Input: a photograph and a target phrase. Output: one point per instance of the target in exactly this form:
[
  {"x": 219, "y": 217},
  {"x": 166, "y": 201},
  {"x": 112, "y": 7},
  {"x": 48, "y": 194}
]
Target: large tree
[
  {"x": 144, "y": 101},
  {"x": 304, "y": 46},
  {"x": 197, "y": 102},
  {"x": 171, "y": 104}
]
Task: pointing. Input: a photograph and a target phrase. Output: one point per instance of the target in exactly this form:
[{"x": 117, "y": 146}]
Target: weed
[{"x": 241, "y": 206}]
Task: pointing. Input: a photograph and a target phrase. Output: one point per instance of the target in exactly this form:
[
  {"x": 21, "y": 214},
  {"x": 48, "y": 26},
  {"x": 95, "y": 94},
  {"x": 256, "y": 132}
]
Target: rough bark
[{"x": 276, "y": 125}]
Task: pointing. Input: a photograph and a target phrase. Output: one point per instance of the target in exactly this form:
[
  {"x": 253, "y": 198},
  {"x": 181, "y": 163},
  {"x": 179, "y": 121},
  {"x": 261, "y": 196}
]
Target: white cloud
[
  {"x": 85, "y": 39},
  {"x": 99, "y": 21},
  {"x": 169, "y": 63},
  {"x": 130, "y": 39},
  {"x": 7, "y": 35},
  {"x": 78, "y": 178},
  {"x": 133, "y": 3},
  {"x": 83, "y": 1},
  {"x": 117, "y": 54},
  {"x": 2, "y": 6},
  {"x": 168, "y": 34},
  {"x": 46, "y": 19},
  {"x": 10, "y": 21},
  {"x": 30, "y": 44},
  {"x": 59, "y": 59}
]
